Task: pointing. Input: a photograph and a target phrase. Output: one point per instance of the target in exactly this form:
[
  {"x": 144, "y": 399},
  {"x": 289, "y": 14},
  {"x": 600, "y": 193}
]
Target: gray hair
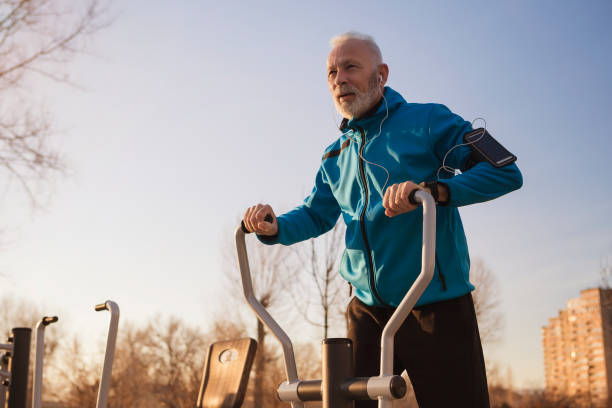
[{"x": 354, "y": 35}]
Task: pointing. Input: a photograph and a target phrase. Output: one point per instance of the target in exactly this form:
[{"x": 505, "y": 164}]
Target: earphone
[
  {"x": 450, "y": 169},
  {"x": 371, "y": 140}
]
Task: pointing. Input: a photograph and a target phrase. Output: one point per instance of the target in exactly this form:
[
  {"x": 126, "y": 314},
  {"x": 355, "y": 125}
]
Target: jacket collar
[{"x": 379, "y": 110}]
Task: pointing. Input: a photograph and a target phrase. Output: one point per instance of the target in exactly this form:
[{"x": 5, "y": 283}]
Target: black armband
[{"x": 486, "y": 148}]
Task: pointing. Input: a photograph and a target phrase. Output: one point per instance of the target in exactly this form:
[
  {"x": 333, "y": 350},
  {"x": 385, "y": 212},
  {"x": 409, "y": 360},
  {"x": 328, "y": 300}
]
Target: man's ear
[{"x": 383, "y": 74}]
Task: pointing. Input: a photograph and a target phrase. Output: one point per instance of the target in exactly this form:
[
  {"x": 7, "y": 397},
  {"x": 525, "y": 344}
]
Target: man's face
[{"x": 352, "y": 78}]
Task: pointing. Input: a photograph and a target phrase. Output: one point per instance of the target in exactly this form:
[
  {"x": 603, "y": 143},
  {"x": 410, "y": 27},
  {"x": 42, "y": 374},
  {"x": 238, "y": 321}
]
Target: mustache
[{"x": 345, "y": 89}]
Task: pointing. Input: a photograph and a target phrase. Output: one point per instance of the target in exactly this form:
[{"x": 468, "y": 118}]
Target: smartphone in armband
[{"x": 486, "y": 148}]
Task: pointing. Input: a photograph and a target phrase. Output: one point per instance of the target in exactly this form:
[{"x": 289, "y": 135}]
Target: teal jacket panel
[{"x": 383, "y": 255}]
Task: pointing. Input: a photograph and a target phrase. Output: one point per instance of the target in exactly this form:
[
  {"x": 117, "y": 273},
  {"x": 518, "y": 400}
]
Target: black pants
[{"x": 438, "y": 345}]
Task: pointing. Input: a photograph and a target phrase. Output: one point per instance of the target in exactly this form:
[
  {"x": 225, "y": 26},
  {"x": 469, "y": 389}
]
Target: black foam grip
[
  {"x": 47, "y": 320},
  {"x": 244, "y": 229},
  {"x": 412, "y": 198},
  {"x": 267, "y": 218}
]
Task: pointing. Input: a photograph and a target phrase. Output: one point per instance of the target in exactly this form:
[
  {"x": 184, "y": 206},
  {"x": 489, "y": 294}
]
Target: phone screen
[{"x": 486, "y": 145}]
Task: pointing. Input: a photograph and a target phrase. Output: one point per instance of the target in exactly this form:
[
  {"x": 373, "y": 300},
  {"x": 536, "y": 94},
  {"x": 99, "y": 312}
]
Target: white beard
[{"x": 363, "y": 100}]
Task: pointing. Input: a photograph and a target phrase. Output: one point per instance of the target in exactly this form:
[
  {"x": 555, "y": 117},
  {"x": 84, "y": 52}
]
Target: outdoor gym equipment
[
  {"x": 14, "y": 368},
  {"x": 223, "y": 383},
  {"x": 109, "y": 355},
  {"x": 38, "y": 359},
  {"x": 226, "y": 373},
  {"x": 107, "y": 368},
  {"x": 338, "y": 387}
]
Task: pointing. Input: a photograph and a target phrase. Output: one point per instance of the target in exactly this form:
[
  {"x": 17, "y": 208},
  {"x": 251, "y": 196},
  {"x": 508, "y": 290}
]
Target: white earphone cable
[{"x": 451, "y": 170}]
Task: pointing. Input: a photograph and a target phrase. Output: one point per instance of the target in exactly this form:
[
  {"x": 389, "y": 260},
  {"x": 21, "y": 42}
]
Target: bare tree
[
  {"x": 132, "y": 377},
  {"x": 17, "y": 313},
  {"x": 319, "y": 259},
  {"x": 37, "y": 37},
  {"x": 175, "y": 355},
  {"x": 486, "y": 302},
  {"x": 76, "y": 379},
  {"x": 224, "y": 329},
  {"x": 159, "y": 365}
]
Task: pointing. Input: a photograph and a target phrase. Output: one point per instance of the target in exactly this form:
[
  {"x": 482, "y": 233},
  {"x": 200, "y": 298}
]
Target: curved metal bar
[
  {"x": 428, "y": 261},
  {"x": 262, "y": 313},
  {"x": 109, "y": 356},
  {"x": 38, "y": 360}
]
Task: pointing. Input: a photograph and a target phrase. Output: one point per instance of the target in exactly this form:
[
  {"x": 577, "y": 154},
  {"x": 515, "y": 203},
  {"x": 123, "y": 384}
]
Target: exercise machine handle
[
  {"x": 109, "y": 355},
  {"x": 428, "y": 262},
  {"x": 267, "y": 218},
  {"x": 47, "y": 320},
  {"x": 37, "y": 381},
  {"x": 260, "y": 311},
  {"x": 100, "y": 307}
]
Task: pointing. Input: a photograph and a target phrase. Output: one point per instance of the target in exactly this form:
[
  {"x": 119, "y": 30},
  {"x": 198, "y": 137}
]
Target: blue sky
[{"x": 194, "y": 110}]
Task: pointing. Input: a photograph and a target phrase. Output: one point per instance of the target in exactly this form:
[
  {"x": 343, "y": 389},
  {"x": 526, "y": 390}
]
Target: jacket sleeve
[
  {"x": 479, "y": 183},
  {"x": 317, "y": 215}
]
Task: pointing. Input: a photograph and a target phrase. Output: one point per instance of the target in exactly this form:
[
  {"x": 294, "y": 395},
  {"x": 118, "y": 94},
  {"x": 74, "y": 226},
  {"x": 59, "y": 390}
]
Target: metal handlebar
[
  {"x": 100, "y": 307},
  {"x": 109, "y": 356},
  {"x": 261, "y": 312},
  {"x": 384, "y": 387},
  {"x": 49, "y": 320},
  {"x": 428, "y": 262},
  {"x": 37, "y": 383}
]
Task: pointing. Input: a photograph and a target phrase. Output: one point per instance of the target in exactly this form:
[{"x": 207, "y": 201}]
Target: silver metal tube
[
  {"x": 428, "y": 260},
  {"x": 288, "y": 392},
  {"x": 38, "y": 360},
  {"x": 109, "y": 356},
  {"x": 38, "y": 365},
  {"x": 262, "y": 313}
]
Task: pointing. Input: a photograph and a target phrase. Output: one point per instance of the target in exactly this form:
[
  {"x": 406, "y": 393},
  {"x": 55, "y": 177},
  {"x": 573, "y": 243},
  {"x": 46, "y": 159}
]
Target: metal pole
[
  {"x": 109, "y": 356},
  {"x": 38, "y": 360},
  {"x": 337, "y": 359},
  {"x": 415, "y": 292},
  {"x": 19, "y": 367},
  {"x": 262, "y": 313}
]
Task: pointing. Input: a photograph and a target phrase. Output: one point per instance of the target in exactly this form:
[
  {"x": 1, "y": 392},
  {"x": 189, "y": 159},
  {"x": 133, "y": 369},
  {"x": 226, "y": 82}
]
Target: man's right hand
[{"x": 254, "y": 220}]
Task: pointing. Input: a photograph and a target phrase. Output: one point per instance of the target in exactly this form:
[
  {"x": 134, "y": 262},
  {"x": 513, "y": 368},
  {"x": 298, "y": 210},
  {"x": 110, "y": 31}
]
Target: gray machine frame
[
  {"x": 109, "y": 355},
  {"x": 385, "y": 387}
]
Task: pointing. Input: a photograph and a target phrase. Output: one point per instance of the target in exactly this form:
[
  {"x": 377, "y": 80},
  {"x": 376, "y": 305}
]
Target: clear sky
[{"x": 194, "y": 110}]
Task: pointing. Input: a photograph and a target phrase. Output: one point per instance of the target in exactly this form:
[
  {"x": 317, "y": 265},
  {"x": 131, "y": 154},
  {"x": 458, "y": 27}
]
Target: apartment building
[{"x": 578, "y": 349}]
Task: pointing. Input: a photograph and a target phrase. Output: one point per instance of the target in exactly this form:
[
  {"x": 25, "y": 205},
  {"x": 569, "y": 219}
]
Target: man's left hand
[{"x": 396, "y": 201}]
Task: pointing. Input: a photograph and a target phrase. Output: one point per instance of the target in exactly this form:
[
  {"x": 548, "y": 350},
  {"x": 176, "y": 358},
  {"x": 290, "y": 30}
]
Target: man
[{"x": 386, "y": 148}]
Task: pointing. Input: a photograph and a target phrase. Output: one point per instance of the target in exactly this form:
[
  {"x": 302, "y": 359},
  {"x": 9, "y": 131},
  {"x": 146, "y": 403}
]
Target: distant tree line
[{"x": 160, "y": 363}]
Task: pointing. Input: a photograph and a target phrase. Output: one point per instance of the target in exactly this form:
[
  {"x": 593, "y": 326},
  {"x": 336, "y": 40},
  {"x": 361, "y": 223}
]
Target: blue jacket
[{"x": 383, "y": 255}]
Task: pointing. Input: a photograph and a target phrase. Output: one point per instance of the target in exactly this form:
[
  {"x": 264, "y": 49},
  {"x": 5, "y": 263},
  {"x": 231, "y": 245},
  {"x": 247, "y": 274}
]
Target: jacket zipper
[
  {"x": 442, "y": 277},
  {"x": 362, "y": 219}
]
